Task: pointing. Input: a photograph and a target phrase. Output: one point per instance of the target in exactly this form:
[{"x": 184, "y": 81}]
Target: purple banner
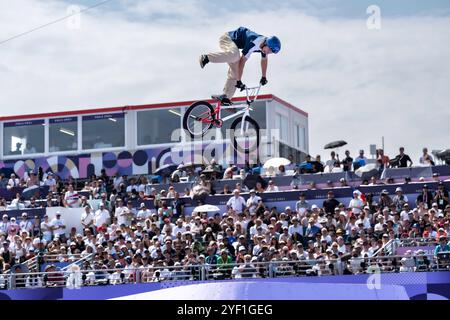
[
  {"x": 23, "y": 123},
  {"x": 416, "y": 286},
  {"x": 104, "y": 116},
  {"x": 11, "y": 193},
  {"x": 428, "y": 249},
  {"x": 40, "y": 212},
  {"x": 63, "y": 120}
]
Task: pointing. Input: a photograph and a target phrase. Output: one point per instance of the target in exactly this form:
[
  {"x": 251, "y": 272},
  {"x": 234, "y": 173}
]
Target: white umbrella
[
  {"x": 370, "y": 169},
  {"x": 276, "y": 162},
  {"x": 206, "y": 208}
]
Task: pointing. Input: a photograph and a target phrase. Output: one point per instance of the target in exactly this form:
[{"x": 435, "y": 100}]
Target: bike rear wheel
[
  {"x": 246, "y": 140},
  {"x": 198, "y": 118}
]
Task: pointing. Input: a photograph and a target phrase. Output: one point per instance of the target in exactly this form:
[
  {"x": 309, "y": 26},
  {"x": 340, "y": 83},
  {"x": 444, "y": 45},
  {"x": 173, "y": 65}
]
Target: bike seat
[{"x": 218, "y": 97}]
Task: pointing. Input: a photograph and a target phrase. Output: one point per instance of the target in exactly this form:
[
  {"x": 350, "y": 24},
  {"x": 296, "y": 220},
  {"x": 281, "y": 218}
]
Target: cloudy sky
[{"x": 356, "y": 84}]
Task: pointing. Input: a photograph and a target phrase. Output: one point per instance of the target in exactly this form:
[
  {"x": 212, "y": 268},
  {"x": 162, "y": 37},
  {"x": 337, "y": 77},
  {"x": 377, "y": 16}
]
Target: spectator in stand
[
  {"x": 132, "y": 186},
  {"x": 292, "y": 165},
  {"x": 302, "y": 205},
  {"x": 399, "y": 199},
  {"x": 330, "y": 203},
  {"x": 87, "y": 219},
  {"x": 46, "y": 229},
  {"x": 58, "y": 227},
  {"x": 281, "y": 171},
  {"x": 143, "y": 214},
  {"x": 360, "y": 160},
  {"x": 441, "y": 197},
  {"x": 71, "y": 198},
  {"x": 425, "y": 198},
  {"x": 25, "y": 224},
  {"x": 32, "y": 179},
  {"x": 101, "y": 217},
  {"x": 4, "y": 224},
  {"x": 382, "y": 159},
  {"x": 356, "y": 204},
  {"x": 271, "y": 187},
  {"x": 443, "y": 246},
  {"x": 3, "y": 181},
  {"x": 236, "y": 203},
  {"x": 426, "y": 159},
  {"x": 333, "y": 162},
  {"x": 347, "y": 162},
  {"x": 13, "y": 182},
  {"x": 253, "y": 201},
  {"x": 402, "y": 159},
  {"x": 385, "y": 199},
  {"x": 317, "y": 164}
]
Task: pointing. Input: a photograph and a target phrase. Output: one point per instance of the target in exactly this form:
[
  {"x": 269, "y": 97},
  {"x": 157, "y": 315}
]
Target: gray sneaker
[{"x": 203, "y": 60}]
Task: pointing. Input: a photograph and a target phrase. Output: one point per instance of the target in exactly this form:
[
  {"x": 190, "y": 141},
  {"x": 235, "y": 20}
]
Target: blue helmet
[{"x": 274, "y": 44}]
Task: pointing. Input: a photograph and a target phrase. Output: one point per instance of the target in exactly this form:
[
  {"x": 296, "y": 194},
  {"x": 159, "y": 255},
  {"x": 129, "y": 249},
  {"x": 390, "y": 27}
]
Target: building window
[
  {"x": 303, "y": 146},
  {"x": 156, "y": 126},
  {"x": 282, "y": 124},
  {"x": 63, "y": 134},
  {"x": 300, "y": 137},
  {"x": 297, "y": 136},
  {"x": 23, "y": 137},
  {"x": 103, "y": 131}
]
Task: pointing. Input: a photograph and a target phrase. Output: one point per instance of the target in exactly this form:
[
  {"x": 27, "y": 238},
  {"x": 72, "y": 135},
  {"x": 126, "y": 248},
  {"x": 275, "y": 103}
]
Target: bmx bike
[{"x": 201, "y": 116}]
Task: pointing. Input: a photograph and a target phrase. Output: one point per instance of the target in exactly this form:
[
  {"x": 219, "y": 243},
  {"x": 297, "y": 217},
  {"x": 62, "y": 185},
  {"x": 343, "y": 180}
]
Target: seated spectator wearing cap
[
  {"x": 356, "y": 204},
  {"x": 58, "y": 226},
  {"x": 50, "y": 182},
  {"x": 442, "y": 253},
  {"x": 302, "y": 205},
  {"x": 224, "y": 265},
  {"x": 406, "y": 213},
  {"x": 4, "y": 224},
  {"x": 143, "y": 213},
  {"x": 364, "y": 218},
  {"x": 385, "y": 200},
  {"x": 253, "y": 201},
  {"x": 399, "y": 199}
]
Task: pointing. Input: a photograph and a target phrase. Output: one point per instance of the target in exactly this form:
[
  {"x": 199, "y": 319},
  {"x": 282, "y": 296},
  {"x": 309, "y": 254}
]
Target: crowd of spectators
[{"x": 334, "y": 237}]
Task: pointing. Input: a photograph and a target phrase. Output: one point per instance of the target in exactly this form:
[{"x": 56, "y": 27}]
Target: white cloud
[{"x": 356, "y": 84}]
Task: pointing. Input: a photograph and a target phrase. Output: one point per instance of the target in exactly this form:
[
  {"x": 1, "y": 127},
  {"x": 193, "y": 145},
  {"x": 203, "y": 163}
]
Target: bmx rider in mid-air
[{"x": 230, "y": 43}]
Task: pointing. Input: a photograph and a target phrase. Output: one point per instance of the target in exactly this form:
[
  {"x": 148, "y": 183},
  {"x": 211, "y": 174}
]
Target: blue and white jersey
[{"x": 247, "y": 40}]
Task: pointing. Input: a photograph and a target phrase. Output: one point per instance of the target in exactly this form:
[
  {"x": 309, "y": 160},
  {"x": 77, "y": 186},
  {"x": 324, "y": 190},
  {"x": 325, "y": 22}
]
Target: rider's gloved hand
[
  {"x": 263, "y": 81},
  {"x": 240, "y": 85}
]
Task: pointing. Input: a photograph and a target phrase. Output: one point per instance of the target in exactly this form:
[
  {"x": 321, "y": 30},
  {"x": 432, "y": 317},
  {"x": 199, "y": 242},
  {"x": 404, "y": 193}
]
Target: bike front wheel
[
  {"x": 198, "y": 118},
  {"x": 245, "y": 136}
]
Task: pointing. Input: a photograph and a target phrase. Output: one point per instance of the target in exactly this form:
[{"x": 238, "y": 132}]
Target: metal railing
[
  {"x": 80, "y": 261},
  {"x": 417, "y": 242},
  {"x": 55, "y": 257},
  {"x": 75, "y": 277}
]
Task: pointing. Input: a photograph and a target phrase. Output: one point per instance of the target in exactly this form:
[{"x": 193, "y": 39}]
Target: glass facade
[
  {"x": 23, "y": 137},
  {"x": 156, "y": 126},
  {"x": 103, "y": 131},
  {"x": 63, "y": 134},
  {"x": 282, "y": 123}
]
